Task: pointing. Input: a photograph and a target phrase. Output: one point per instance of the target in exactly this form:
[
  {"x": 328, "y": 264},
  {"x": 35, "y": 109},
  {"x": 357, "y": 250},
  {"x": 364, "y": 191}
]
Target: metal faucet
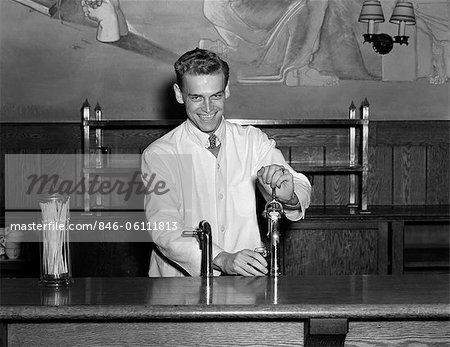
[
  {"x": 273, "y": 211},
  {"x": 205, "y": 237}
]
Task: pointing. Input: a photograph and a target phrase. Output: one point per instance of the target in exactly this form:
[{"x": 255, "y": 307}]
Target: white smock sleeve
[
  {"x": 166, "y": 209},
  {"x": 267, "y": 154}
]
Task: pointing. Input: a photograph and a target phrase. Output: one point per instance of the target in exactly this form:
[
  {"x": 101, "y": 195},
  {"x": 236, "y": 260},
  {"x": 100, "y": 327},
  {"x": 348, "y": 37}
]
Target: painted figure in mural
[
  {"x": 109, "y": 16},
  {"x": 433, "y": 40},
  {"x": 280, "y": 36},
  {"x": 211, "y": 167},
  {"x": 279, "y": 41}
]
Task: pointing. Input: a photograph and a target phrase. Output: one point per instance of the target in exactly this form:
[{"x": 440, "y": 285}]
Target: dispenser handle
[{"x": 205, "y": 237}]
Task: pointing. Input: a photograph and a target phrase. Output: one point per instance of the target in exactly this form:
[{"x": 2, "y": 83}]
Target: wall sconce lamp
[{"x": 372, "y": 13}]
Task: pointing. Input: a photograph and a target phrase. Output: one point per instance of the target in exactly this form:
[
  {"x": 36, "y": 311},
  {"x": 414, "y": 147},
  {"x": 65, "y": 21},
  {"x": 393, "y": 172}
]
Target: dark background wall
[{"x": 408, "y": 161}]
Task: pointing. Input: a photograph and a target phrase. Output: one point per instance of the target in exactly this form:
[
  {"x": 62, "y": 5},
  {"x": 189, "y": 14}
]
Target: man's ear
[
  {"x": 227, "y": 90},
  {"x": 178, "y": 93}
]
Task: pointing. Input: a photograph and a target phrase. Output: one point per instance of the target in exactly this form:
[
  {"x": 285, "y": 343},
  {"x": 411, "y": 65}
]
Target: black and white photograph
[{"x": 225, "y": 173}]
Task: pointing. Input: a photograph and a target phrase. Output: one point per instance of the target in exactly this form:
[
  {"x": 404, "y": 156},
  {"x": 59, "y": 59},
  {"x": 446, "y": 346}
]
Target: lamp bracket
[
  {"x": 383, "y": 43},
  {"x": 401, "y": 40}
]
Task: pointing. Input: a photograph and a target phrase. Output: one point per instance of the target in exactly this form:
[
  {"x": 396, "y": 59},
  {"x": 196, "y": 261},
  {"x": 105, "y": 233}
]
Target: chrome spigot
[
  {"x": 273, "y": 211},
  {"x": 205, "y": 237}
]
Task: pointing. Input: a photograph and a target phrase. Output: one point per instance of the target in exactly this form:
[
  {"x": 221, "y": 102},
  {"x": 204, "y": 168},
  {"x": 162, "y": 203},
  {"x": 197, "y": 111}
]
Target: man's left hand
[{"x": 276, "y": 176}]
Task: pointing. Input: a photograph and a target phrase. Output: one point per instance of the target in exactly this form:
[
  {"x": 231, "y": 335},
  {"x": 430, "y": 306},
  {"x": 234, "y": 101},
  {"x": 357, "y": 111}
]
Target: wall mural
[
  {"x": 295, "y": 42},
  {"x": 308, "y": 43},
  {"x": 291, "y": 43}
]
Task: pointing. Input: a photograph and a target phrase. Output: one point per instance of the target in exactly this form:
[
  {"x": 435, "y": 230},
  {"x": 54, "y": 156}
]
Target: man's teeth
[{"x": 206, "y": 116}]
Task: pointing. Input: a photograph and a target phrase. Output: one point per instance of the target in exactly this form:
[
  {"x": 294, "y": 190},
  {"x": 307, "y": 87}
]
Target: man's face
[{"x": 204, "y": 99}]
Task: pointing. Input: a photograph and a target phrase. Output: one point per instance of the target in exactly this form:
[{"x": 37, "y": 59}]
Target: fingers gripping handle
[{"x": 273, "y": 211}]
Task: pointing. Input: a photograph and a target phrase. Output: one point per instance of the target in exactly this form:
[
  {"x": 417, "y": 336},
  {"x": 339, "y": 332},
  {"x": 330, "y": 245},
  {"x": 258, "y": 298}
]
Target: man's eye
[
  {"x": 195, "y": 98},
  {"x": 217, "y": 97}
]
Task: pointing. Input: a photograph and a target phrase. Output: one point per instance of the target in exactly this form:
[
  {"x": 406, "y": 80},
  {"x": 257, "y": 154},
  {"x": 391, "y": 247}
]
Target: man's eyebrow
[{"x": 219, "y": 92}]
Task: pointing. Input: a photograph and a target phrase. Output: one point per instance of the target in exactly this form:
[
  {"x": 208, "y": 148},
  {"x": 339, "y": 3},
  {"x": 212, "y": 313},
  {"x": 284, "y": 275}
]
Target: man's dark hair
[{"x": 200, "y": 62}]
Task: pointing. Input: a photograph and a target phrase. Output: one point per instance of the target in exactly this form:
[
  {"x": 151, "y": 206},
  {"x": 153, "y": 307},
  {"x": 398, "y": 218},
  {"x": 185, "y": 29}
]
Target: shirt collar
[{"x": 202, "y": 138}]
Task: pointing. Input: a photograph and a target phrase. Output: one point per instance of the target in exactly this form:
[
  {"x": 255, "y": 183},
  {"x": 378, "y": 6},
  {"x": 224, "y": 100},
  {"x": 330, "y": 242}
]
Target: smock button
[
  {"x": 222, "y": 228},
  {"x": 220, "y": 196}
]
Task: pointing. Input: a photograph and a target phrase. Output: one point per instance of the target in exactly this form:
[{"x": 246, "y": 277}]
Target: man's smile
[{"x": 206, "y": 117}]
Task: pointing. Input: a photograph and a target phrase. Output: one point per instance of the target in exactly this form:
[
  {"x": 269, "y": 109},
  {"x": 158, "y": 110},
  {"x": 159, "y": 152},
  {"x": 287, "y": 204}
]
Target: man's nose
[{"x": 207, "y": 105}]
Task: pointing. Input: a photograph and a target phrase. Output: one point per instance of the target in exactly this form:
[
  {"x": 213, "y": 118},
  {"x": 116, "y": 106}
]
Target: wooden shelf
[
  {"x": 15, "y": 268},
  {"x": 323, "y": 169},
  {"x": 440, "y": 213},
  {"x": 257, "y": 122},
  {"x": 426, "y": 257},
  {"x": 111, "y": 171},
  {"x": 357, "y": 167},
  {"x": 304, "y": 169}
]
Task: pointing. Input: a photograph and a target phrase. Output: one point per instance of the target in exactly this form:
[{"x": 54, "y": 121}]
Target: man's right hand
[{"x": 245, "y": 263}]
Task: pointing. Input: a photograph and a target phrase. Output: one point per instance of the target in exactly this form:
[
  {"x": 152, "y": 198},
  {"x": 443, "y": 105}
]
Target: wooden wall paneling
[
  {"x": 317, "y": 190},
  {"x": 78, "y": 200},
  {"x": 123, "y": 199},
  {"x": 426, "y": 245},
  {"x": 2, "y": 180},
  {"x": 31, "y": 138},
  {"x": 336, "y": 186},
  {"x": 123, "y": 152},
  {"x": 286, "y": 151},
  {"x": 356, "y": 177},
  {"x": 380, "y": 175},
  {"x": 169, "y": 334},
  {"x": 3, "y": 334},
  {"x": 410, "y": 158},
  {"x": 383, "y": 248},
  {"x": 398, "y": 333},
  {"x": 68, "y": 135},
  {"x": 114, "y": 199},
  {"x": 125, "y": 146},
  {"x": 150, "y": 136},
  {"x": 412, "y": 133},
  {"x": 19, "y": 165},
  {"x": 427, "y": 234},
  {"x": 438, "y": 175},
  {"x": 128, "y": 158},
  {"x": 410, "y": 175},
  {"x": 398, "y": 237},
  {"x": 110, "y": 259},
  {"x": 62, "y": 163},
  {"x": 311, "y": 156},
  {"x": 331, "y": 248},
  {"x": 301, "y": 136},
  {"x": 34, "y": 136},
  {"x": 131, "y": 139}
]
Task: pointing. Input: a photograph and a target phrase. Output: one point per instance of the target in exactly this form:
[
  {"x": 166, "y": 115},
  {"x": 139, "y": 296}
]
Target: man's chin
[
  {"x": 207, "y": 126},
  {"x": 208, "y": 129}
]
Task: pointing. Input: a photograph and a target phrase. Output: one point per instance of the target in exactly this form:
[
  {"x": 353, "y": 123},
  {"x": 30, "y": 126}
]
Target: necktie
[
  {"x": 213, "y": 148},
  {"x": 212, "y": 141}
]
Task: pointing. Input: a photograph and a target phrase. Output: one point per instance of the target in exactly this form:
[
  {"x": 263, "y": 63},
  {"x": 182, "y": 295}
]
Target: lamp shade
[
  {"x": 403, "y": 12},
  {"x": 371, "y": 11}
]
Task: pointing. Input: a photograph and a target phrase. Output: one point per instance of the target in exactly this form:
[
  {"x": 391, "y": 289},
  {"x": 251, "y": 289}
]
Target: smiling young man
[{"x": 211, "y": 167}]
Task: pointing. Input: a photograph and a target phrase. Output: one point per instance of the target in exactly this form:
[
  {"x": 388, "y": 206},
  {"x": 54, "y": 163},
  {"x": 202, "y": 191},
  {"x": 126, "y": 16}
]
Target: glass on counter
[{"x": 54, "y": 241}]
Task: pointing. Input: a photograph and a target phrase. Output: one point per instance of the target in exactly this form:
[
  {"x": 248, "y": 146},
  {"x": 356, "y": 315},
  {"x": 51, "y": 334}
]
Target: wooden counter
[{"x": 375, "y": 310}]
